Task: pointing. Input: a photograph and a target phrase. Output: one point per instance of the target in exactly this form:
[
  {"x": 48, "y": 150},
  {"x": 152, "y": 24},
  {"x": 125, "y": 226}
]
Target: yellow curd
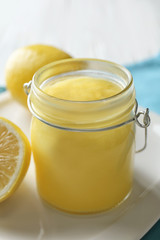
[
  {"x": 83, "y": 172},
  {"x": 82, "y": 88}
]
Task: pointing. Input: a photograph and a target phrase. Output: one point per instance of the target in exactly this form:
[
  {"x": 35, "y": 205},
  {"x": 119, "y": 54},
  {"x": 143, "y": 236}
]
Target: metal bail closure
[
  {"x": 27, "y": 87},
  {"x": 145, "y": 123}
]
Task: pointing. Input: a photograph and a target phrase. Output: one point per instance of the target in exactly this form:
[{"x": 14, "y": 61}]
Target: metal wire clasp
[
  {"x": 145, "y": 123},
  {"x": 27, "y": 87}
]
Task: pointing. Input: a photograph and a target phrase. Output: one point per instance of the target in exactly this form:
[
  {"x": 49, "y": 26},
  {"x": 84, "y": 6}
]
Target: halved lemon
[{"x": 15, "y": 155}]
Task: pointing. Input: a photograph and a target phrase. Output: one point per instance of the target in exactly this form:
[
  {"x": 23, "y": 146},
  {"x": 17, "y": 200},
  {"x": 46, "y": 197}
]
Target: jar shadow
[
  {"x": 25, "y": 216},
  {"x": 19, "y": 215}
]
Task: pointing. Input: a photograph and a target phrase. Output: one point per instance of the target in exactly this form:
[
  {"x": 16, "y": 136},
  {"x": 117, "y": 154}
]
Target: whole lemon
[{"x": 24, "y": 62}]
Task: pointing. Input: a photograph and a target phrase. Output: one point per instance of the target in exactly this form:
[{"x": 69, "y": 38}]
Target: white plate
[{"x": 25, "y": 216}]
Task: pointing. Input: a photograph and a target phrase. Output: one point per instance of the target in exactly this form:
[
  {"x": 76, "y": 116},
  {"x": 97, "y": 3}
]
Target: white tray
[{"x": 25, "y": 216}]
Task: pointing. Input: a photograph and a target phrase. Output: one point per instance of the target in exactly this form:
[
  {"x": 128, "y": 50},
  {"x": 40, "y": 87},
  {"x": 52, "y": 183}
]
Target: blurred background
[{"x": 123, "y": 31}]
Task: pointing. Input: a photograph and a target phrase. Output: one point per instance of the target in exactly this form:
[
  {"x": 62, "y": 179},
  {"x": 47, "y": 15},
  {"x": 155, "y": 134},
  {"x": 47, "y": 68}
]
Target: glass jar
[{"x": 83, "y": 150}]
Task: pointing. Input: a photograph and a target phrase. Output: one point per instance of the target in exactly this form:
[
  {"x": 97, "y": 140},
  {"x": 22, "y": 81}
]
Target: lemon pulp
[{"x": 14, "y": 157}]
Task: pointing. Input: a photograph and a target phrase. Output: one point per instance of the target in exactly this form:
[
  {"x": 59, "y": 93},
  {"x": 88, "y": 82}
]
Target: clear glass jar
[{"x": 83, "y": 150}]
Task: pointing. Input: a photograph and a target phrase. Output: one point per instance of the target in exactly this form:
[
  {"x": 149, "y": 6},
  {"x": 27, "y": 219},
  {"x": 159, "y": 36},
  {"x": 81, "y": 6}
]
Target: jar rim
[
  {"x": 52, "y": 64},
  {"x": 82, "y": 114}
]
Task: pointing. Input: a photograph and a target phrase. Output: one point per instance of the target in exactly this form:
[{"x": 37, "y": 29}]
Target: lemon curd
[
  {"x": 82, "y": 167},
  {"x": 82, "y": 88}
]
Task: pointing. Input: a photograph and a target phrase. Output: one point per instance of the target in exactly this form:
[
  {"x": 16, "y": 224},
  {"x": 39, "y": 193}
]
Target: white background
[{"x": 124, "y": 31}]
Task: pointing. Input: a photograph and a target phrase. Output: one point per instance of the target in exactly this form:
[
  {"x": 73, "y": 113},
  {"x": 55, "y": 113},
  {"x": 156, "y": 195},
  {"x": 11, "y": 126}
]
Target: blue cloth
[
  {"x": 146, "y": 76},
  {"x": 2, "y": 89},
  {"x": 153, "y": 233}
]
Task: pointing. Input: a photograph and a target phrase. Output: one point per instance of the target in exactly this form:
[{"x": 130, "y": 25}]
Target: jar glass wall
[{"x": 84, "y": 164}]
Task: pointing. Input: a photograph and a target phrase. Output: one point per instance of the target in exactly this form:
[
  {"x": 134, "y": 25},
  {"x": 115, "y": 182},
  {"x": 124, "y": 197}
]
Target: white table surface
[
  {"x": 25, "y": 217},
  {"x": 124, "y": 31}
]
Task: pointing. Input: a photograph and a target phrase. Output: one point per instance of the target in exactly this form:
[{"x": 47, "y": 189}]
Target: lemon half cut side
[{"x": 15, "y": 155}]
